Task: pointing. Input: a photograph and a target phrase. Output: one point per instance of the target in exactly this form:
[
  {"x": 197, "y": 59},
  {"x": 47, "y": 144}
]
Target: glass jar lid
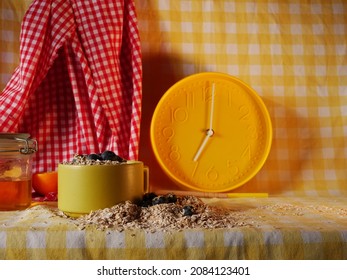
[{"x": 17, "y": 142}]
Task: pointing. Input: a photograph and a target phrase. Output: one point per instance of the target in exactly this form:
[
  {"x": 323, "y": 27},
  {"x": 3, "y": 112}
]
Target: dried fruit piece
[
  {"x": 147, "y": 199},
  {"x": 94, "y": 157},
  {"x": 120, "y": 159},
  {"x": 188, "y": 210},
  {"x": 159, "y": 200},
  {"x": 109, "y": 155},
  {"x": 171, "y": 198}
]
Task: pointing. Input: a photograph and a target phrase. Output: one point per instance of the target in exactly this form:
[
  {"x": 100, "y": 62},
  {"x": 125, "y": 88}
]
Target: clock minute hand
[
  {"x": 209, "y": 131},
  {"x": 212, "y": 107}
]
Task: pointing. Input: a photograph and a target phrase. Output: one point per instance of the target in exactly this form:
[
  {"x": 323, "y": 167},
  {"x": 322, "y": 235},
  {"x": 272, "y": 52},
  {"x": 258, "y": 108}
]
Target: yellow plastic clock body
[{"x": 211, "y": 132}]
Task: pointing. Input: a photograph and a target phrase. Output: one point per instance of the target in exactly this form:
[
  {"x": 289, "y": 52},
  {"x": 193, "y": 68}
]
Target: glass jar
[{"x": 16, "y": 152}]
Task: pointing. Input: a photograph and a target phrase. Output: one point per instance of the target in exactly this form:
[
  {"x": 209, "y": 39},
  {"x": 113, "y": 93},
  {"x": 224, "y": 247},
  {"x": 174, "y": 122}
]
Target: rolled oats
[
  {"x": 164, "y": 217},
  {"x": 84, "y": 160}
]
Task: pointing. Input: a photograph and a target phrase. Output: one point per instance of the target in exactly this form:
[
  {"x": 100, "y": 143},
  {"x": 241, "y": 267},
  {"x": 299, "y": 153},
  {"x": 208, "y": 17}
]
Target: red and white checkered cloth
[{"x": 78, "y": 88}]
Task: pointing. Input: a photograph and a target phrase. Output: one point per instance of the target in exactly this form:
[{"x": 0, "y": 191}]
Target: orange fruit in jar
[{"x": 45, "y": 182}]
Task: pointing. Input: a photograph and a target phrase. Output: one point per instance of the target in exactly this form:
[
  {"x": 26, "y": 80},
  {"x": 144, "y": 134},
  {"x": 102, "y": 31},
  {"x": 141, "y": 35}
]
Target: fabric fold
[{"x": 78, "y": 88}]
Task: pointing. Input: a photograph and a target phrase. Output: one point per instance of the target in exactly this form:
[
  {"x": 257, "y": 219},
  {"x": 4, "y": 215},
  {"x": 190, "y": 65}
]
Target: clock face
[{"x": 211, "y": 132}]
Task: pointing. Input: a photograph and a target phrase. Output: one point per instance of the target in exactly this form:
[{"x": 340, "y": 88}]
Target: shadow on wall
[
  {"x": 159, "y": 74},
  {"x": 290, "y": 149}
]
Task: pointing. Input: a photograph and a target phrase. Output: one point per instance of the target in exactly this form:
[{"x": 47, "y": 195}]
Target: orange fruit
[{"x": 45, "y": 182}]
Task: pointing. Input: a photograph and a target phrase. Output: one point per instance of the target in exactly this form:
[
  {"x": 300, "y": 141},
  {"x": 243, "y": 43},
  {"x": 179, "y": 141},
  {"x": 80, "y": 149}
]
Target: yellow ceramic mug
[{"x": 84, "y": 188}]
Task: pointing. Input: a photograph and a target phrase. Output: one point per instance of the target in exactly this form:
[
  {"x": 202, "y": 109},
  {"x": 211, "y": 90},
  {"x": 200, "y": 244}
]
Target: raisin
[
  {"x": 188, "y": 210},
  {"x": 108, "y": 155},
  {"x": 147, "y": 199},
  {"x": 171, "y": 198},
  {"x": 94, "y": 157},
  {"x": 159, "y": 200}
]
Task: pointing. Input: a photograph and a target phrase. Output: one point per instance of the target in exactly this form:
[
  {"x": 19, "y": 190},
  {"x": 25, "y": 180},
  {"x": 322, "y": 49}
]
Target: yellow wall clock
[{"x": 211, "y": 132}]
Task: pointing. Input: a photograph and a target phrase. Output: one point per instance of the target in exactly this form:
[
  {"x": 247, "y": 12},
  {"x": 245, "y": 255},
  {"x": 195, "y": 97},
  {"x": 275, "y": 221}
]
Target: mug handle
[{"x": 145, "y": 179}]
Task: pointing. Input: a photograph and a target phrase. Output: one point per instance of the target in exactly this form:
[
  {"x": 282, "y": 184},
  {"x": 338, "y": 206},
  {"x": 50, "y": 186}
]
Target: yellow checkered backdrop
[
  {"x": 11, "y": 14},
  {"x": 293, "y": 53}
]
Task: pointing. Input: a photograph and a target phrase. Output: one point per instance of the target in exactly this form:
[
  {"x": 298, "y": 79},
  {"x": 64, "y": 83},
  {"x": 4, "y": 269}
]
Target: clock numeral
[
  {"x": 207, "y": 94},
  {"x": 232, "y": 91},
  {"x": 190, "y": 100},
  {"x": 230, "y": 99},
  {"x": 174, "y": 154},
  {"x": 212, "y": 174},
  {"x": 247, "y": 152},
  {"x": 233, "y": 169},
  {"x": 168, "y": 132},
  {"x": 195, "y": 168},
  {"x": 244, "y": 113},
  {"x": 252, "y": 132},
  {"x": 179, "y": 114}
]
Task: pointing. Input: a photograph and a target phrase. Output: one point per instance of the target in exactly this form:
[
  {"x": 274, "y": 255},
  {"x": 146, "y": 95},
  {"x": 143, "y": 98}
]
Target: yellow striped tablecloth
[{"x": 279, "y": 228}]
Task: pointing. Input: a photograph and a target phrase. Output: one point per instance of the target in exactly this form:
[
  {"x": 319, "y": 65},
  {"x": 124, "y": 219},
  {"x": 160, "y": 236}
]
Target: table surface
[{"x": 265, "y": 228}]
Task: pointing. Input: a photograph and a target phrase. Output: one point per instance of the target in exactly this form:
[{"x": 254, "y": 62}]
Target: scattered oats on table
[{"x": 163, "y": 217}]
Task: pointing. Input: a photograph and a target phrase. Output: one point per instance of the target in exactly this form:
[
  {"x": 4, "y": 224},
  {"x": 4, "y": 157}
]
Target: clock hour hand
[{"x": 209, "y": 132}]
